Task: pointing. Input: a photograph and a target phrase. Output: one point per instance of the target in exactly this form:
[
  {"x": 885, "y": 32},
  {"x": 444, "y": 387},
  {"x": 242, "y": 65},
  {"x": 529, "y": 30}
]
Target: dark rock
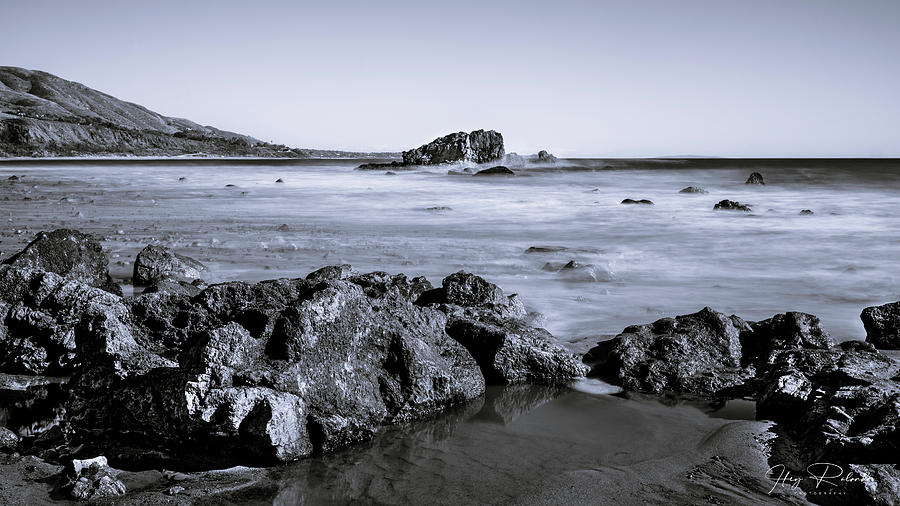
[
  {"x": 174, "y": 287},
  {"x": 155, "y": 263},
  {"x": 9, "y": 440},
  {"x": 90, "y": 479},
  {"x": 279, "y": 180},
  {"x": 495, "y": 171},
  {"x": 510, "y": 351},
  {"x": 330, "y": 272},
  {"x": 395, "y": 165},
  {"x": 730, "y": 205},
  {"x": 68, "y": 253},
  {"x": 882, "y": 325},
  {"x": 545, "y": 156},
  {"x": 182, "y": 178},
  {"x": 230, "y": 186},
  {"x": 283, "y": 228},
  {"x": 439, "y": 208},
  {"x": 390, "y": 173},
  {"x": 545, "y": 249},
  {"x": 696, "y": 354},
  {"x": 479, "y": 146},
  {"x": 32, "y": 405},
  {"x": 692, "y": 189},
  {"x": 642, "y": 201},
  {"x": 576, "y": 271},
  {"x": 12, "y": 178},
  {"x": 806, "y": 211},
  {"x": 755, "y": 178},
  {"x": 788, "y": 331}
]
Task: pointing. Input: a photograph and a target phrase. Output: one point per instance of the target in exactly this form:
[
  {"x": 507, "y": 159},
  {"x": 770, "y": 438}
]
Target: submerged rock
[
  {"x": 692, "y": 189},
  {"x": 882, "y": 325},
  {"x": 394, "y": 165},
  {"x": 730, "y": 205},
  {"x": 755, "y": 178},
  {"x": 642, "y": 202},
  {"x": 806, "y": 211},
  {"x": 479, "y": 146},
  {"x": 545, "y": 249},
  {"x": 577, "y": 271},
  {"x": 499, "y": 170},
  {"x": 155, "y": 263},
  {"x": 69, "y": 253}
]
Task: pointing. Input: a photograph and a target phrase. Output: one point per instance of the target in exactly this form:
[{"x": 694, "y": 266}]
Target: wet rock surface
[
  {"x": 731, "y": 205},
  {"x": 882, "y": 325},
  {"x": 479, "y": 146},
  {"x": 499, "y": 170},
  {"x": 692, "y": 189},
  {"x": 90, "y": 479},
  {"x": 645, "y": 202},
  {"x": 837, "y": 404},
  {"x": 156, "y": 263},
  {"x": 755, "y": 178}
]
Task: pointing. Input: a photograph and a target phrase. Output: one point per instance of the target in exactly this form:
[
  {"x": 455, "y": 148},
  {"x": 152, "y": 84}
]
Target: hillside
[{"x": 43, "y": 115}]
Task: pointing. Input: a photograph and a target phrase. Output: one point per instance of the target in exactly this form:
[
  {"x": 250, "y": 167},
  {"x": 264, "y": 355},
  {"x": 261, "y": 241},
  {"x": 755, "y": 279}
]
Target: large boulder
[
  {"x": 882, "y": 325},
  {"x": 479, "y": 146},
  {"x": 156, "y": 263},
  {"x": 491, "y": 325},
  {"x": 544, "y": 156},
  {"x": 788, "y": 331},
  {"x": 286, "y": 368},
  {"x": 697, "y": 354},
  {"x": 70, "y": 254}
]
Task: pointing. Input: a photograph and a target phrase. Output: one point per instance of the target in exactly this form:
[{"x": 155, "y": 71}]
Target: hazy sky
[{"x": 580, "y": 78}]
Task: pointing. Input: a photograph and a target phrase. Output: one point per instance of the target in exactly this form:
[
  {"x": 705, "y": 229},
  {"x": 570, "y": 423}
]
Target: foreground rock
[
  {"x": 730, "y": 205},
  {"x": 832, "y": 404},
  {"x": 90, "y": 479},
  {"x": 491, "y": 326},
  {"x": 755, "y": 178},
  {"x": 240, "y": 373},
  {"x": 882, "y": 325},
  {"x": 479, "y": 146},
  {"x": 156, "y": 263},
  {"x": 70, "y": 254}
]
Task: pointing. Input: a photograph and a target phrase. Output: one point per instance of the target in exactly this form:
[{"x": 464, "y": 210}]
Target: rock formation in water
[
  {"x": 44, "y": 115},
  {"x": 645, "y": 202},
  {"x": 499, "y": 170},
  {"x": 254, "y": 373},
  {"x": 692, "y": 189},
  {"x": 731, "y": 205},
  {"x": 832, "y": 403},
  {"x": 755, "y": 178},
  {"x": 882, "y": 325},
  {"x": 156, "y": 263},
  {"x": 544, "y": 156},
  {"x": 479, "y": 146}
]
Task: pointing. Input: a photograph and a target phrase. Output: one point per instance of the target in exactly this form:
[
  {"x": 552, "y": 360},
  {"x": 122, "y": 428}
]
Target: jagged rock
[
  {"x": 788, "y": 331},
  {"x": 545, "y": 156},
  {"x": 175, "y": 287},
  {"x": 32, "y": 405},
  {"x": 479, "y": 146},
  {"x": 9, "y": 440},
  {"x": 692, "y": 189},
  {"x": 330, "y": 272},
  {"x": 491, "y": 326},
  {"x": 755, "y": 178},
  {"x": 882, "y": 325},
  {"x": 68, "y": 253},
  {"x": 155, "y": 263},
  {"x": 324, "y": 364},
  {"x": 90, "y": 479},
  {"x": 730, "y": 205},
  {"x": 697, "y": 354},
  {"x": 642, "y": 201},
  {"x": 499, "y": 170}
]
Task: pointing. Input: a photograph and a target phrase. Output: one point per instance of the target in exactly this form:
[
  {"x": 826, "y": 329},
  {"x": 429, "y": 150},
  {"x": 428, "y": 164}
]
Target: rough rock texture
[
  {"x": 882, "y": 325},
  {"x": 755, "y": 178},
  {"x": 730, "y": 205},
  {"x": 156, "y": 263},
  {"x": 491, "y": 326},
  {"x": 90, "y": 479},
  {"x": 698, "y": 354},
  {"x": 479, "y": 146},
  {"x": 692, "y": 189},
  {"x": 499, "y": 170},
  {"x": 68, "y": 253}
]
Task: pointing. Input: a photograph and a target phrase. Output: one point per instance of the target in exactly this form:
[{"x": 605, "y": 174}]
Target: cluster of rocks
[
  {"x": 479, "y": 146},
  {"x": 832, "y": 403},
  {"x": 238, "y": 373}
]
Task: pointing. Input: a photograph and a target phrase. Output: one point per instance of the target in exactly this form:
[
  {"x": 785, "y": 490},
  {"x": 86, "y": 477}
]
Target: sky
[{"x": 755, "y": 78}]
